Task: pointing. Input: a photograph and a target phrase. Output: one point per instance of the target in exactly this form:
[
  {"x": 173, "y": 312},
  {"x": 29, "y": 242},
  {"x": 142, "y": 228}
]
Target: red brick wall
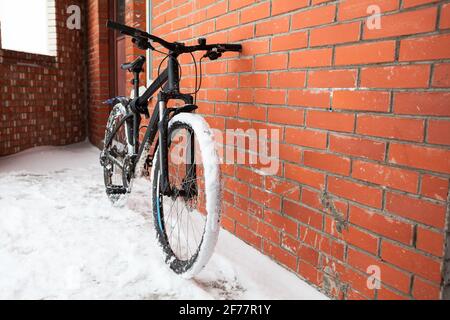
[
  {"x": 364, "y": 184},
  {"x": 98, "y": 68},
  {"x": 99, "y": 59},
  {"x": 42, "y": 98}
]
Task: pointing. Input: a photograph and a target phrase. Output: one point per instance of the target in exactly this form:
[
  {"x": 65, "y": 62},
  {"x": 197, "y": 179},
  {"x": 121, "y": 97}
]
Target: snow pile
[{"x": 61, "y": 239}]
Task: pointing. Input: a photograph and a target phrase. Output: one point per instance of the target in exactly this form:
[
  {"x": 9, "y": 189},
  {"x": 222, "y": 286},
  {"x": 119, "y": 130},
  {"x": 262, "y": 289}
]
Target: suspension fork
[
  {"x": 163, "y": 126},
  {"x": 189, "y": 183}
]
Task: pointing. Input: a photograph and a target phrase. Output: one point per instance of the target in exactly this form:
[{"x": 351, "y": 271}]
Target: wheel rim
[{"x": 182, "y": 217}]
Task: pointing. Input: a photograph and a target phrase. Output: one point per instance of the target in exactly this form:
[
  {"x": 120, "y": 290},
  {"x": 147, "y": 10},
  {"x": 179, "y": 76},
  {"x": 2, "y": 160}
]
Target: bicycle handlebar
[{"x": 171, "y": 46}]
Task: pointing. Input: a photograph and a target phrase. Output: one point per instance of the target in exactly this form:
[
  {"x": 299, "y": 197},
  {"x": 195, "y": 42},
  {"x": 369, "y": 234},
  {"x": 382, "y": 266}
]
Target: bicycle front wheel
[{"x": 188, "y": 221}]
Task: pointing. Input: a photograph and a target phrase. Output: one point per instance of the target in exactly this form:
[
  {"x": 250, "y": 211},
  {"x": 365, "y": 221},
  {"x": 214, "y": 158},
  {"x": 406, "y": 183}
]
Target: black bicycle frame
[{"x": 169, "y": 80}]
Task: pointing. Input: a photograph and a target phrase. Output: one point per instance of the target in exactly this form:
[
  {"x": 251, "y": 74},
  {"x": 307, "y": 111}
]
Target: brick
[
  {"x": 411, "y": 261},
  {"x": 268, "y": 232},
  {"x": 341, "y": 33},
  {"x": 430, "y": 241},
  {"x": 424, "y": 290},
  {"x": 227, "y": 224},
  {"x": 422, "y": 103},
  {"x": 395, "y": 178},
  {"x": 415, "y": 209},
  {"x": 283, "y": 223},
  {"x": 445, "y": 16},
  {"x": 333, "y": 121},
  {"x": 414, "y": 76},
  {"x": 307, "y": 138},
  {"x": 327, "y": 162},
  {"x": 351, "y": 9},
  {"x": 255, "y": 47},
  {"x": 252, "y": 112},
  {"x": 376, "y": 101},
  {"x": 271, "y": 62},
  {"x": 389, "y": 275},
  {"x": 240, "y": 33},
  {"x": 238, "y": 215},
  {"x": 309, "y": 272},
  {"x": 414, "y": 3},
  {"x": 412, "y": 22},
  {"x": 240, "y": 95},
  {"x": 385, "y": 293},
  {"x": 255, "y": 13},
  {"x": 270, "y": 96},
  {"x": 441, "y": 76},
  {"x": 425, "y": 48},
  {"x": 284, "y": 257},
  {"x": 237, "y": 4},
  {"x": 253, "y": 209},
  {"x": 358, "y": 281},
  {"x": 385, "y": 226},
  {"x": 205, "y": 28},
  {"x": 282, "y": 187},
  {"x": 282, "y": 6},
  {"x": 302, "y": 214},
  {"x": 391, "y": 127},
  {"x": 357, "y": 192},
  {"x": 272, "y": 26},
  {"x": 217, "y": 9},
  {"x": 289, "y": 243},
  {"x": 288, "y": 79},
  {"x": 291, "y": 41},
  {"x": 360, "y": 239},
  {"x": 311, "y": 58},
  {"x": 321, "y": 242},
  {"x": 268, "y": 199},
  {"x": 203, "y": 3},
  {"x": 308, "y": 254},
  {"x": 367, "y": 53},
  {"x": 309, "y": 98},
  {"x": 248, "y": 236},
  {"x": 253, "y": 80},
  {"x": 249, "y": 176},
  {"x": 358, "y": 147},
  {"x": 306, "y": 176},
  {"x": 237, "y": 186},
  {"x": 226, "y": 81},
  {"x": 286, "y": 116},
  {"x": 434, "y": 187},
  {"x": 433, "y": 159},
  {"x": 314, "y": 17},
  {"x": 332, "y": 79},
  {"x": 438, "y": 132},
  {"x": 227, "y": 21}
]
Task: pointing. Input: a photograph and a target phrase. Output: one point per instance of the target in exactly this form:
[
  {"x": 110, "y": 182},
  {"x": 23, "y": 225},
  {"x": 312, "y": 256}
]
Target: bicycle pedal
[{"x": 116, "y": 190}]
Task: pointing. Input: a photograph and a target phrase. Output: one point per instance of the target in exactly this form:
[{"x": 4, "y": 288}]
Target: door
[{"x": 117, "y": 41}]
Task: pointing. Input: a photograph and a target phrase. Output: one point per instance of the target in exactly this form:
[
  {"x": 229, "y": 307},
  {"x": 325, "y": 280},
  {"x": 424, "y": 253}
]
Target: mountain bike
[{"x": 185, "y": 172}]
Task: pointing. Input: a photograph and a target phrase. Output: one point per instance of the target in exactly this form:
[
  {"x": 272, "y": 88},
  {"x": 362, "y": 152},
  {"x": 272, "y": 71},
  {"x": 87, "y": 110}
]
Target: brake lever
[
  {"x": 213, "y": 54},
  {"x": 142, "y": 44}
]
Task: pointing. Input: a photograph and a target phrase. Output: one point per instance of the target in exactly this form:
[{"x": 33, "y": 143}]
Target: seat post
[{"x": 135, "y": 83}]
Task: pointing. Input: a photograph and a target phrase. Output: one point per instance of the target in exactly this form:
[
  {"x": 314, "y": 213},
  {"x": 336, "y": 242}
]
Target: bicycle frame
[{"x": 169, "y": 80}]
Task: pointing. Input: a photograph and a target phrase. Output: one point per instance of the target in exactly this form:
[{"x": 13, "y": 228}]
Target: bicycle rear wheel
[
  {"x": 187, "y": 223},
  {"x": 115, "y": 157}
]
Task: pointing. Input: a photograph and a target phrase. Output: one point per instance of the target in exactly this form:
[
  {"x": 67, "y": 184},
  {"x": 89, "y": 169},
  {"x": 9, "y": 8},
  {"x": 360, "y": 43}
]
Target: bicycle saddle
[{"x": 135, "y": 66}]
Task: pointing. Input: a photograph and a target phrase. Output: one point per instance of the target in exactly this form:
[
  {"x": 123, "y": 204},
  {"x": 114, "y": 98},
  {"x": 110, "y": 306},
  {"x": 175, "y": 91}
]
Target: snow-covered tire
[
  {"x": 211, "y": 170},
  {"x": 116, "y": 114}
]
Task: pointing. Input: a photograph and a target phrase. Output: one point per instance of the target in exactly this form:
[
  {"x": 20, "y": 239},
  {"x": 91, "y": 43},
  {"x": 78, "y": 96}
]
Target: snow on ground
[{"x": 61, "y": 239}]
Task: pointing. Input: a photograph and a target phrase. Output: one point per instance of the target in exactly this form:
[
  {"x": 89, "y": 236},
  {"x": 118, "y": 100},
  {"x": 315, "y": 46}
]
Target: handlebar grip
[
  {"x": 122, "y": 28},
  {"x": 233, "y": 47}
]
